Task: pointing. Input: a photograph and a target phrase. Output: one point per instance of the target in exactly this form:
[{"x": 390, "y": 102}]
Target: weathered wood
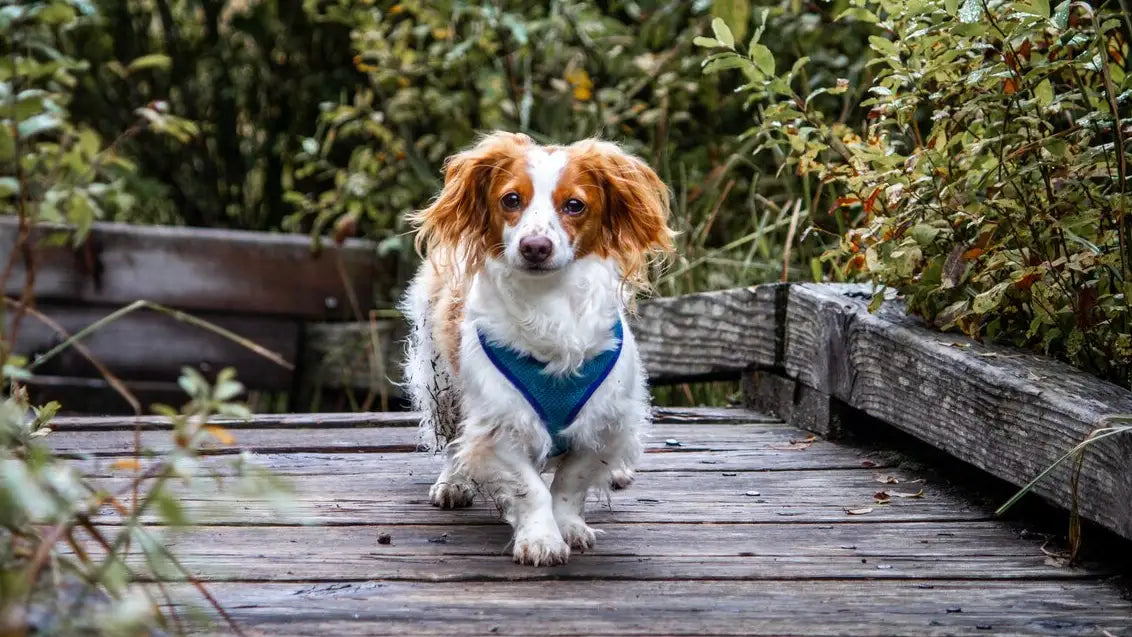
[
  {"x": 669, "y": 496},
  {"x": 711, "y": 334},
  {"x": 83, "y": 396},
  {"x": 918, "y": 540},
  {"x": 206, "y": 269},
  {"x": 661, "y": 416},
  {"x": 782, "y": 538},
  {"x": 1004, "y": 411},
  {"x": 345, "y": 439},
  {"x": 365, "y": 356},
  {"x": 821, "y": 455},
  {"x": 686, "y": 338},
  {"x": 152, "y": 346},
  {"x": 822, "y": 608}
]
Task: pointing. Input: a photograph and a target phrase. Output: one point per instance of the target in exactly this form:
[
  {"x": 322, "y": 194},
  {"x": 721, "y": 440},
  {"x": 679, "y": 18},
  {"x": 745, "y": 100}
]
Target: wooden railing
[{"x": 264, "y": 287}]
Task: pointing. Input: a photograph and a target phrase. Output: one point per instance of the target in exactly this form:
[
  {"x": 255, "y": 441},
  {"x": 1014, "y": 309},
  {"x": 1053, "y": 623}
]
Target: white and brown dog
[{"x": 520, "y": 356}]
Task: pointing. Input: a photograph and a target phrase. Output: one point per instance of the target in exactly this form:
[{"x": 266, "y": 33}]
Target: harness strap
[{"x": 557, "y": 399}]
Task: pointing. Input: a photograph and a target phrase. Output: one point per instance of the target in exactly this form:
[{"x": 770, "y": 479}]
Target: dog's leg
[
  {"x": 610, "y": 466},
  {"x": 512, "y": 480},
  {"x": 452, "y": 489},
  {"x": 578, "y": 471}
]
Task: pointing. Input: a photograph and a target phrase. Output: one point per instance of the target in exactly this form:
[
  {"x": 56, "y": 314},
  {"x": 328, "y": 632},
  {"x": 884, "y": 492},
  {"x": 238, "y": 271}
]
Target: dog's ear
[
  {"x": 459, "y": 223},
  {"x": 635, "y": 220}
]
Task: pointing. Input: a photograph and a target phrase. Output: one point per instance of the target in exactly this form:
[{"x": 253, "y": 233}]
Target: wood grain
[
  {"x": 742, "y": 531},
  {"x": 206, "y": 269},
  {"x": 346, "y": 439},
  {"x": 150, "y": 346},
  {"x": 1004, "y": 411},
  {"x": 891, "y": 608}
]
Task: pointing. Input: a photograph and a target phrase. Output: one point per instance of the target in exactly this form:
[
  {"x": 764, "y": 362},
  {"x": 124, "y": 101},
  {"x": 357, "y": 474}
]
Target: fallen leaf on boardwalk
[
  {"x": 861, "y": 511},
  {"x": 868, "y": 463},
  {"x": 881, "y": 497},
  {"x": 883, "y": 479},
  {"x": 126, "y": 463},
  {"x": 1056, "y": 562},
  {"x": 797, "y": 445},
  {"x": 221, "y": 434},
  {"x": 897, "y": 494}
]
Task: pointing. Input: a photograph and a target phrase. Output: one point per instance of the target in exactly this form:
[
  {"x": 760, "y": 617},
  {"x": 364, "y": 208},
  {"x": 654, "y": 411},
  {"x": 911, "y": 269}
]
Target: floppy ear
[
  {"x": 636, "y": 209},
  {"x": 459, "y": 223}
]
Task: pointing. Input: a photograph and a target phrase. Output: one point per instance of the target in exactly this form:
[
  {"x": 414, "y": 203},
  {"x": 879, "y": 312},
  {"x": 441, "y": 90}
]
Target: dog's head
[{"x": 537, "y": 209}]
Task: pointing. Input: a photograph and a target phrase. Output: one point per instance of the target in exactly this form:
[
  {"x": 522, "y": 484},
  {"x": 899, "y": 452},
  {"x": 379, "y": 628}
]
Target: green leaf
[
  {"x": 884, "y": 46},
  {"x": 971, "y": 11},
  {"x": 763, "y": 58},
  {"x": 722, "y": 33},
  {"x": 1040, "y": 7},
  {"x": 924, "y": 233},
  {"x": 861, "y": 15},
  {"x": 151, "y": 61},
  {"x": 39, "y": 124},
  {"x": 1044, "y": 92},
  {"x": 709, "y": 43},
  {"x": 735, "y": 13},
  {"x": 989, "y": 300},
  {"x": 725, "y": 62},
  {"x": 1061, "y": 15}
]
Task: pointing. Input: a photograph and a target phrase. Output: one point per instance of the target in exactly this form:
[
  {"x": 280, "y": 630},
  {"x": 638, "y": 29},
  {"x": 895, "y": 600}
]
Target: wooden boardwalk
[{"x": 736, "y": 525}]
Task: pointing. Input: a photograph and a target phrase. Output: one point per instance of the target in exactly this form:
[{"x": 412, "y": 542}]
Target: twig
[
  {"x": 175, "y": 314},
  {"x": 115, "y": 383},
  {"x": 790, "y": 240}
]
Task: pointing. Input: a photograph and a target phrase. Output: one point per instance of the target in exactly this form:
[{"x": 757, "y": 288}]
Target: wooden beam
[
  {"x": 1007, "y": 412},
  {"x": 151, "y": 346},
  {"x": 204, "y": 269},
  {"x": 685, "y": 338}
]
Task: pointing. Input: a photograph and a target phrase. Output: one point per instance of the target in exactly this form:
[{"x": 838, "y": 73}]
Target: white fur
[
  {"x": 540, "y": 219},
  {"x": 495, "y": 441}
]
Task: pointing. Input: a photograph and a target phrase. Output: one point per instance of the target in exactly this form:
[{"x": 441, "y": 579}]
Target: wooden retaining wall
[{"x": 264, "y": 287}]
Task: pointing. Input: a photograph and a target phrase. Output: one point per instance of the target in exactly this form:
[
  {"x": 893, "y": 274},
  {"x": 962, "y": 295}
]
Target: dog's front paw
[
  {"x": 577, "y": 534},
  {"x": 540, "y": 547},
  {"x": 621, "y": 479},
  {"x": 451, "y": 495}
]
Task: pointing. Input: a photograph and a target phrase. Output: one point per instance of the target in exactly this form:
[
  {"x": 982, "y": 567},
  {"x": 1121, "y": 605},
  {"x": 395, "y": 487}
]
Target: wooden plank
[
  {"x": 891, "y": 608},
  {"x": 670, "y": 496},
  {"x": 686, "y": 338},
  {"x": 661, "y": 415},
  {"x": 151, "y": 346},
  {"x": 924, "y": 540},
  {"x": 96, "y": 396},
  {"x": 365, "y": 356},
  {"x": 707, "y": 335},
  {"x": 206, "y": 269},
  {"x": 351, "y": 438},
  {"x": 948, "y": 550},
  {"x": 820, "y": 456},
  {"x": 1009, "y": 413}
]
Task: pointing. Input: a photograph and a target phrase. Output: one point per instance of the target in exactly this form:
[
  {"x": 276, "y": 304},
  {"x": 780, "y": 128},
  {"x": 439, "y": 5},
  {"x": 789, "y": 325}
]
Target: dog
[{"x": 520, "y": 358}]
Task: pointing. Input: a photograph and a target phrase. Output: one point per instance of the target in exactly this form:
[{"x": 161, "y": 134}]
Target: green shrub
[
  {"x": 987, "y": 169},
  {"x": 438, "y": 73}
]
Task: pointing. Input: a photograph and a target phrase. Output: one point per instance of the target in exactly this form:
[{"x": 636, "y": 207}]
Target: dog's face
[{"x": 537, "y": 209}]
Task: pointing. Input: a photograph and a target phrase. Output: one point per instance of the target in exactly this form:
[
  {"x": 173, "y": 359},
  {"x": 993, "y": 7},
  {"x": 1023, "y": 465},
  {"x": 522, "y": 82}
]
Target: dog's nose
[{"x": 535, "y": 250}]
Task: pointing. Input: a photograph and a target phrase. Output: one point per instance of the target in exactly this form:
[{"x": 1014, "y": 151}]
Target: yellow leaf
[
  {"x": 221, "y": 434},
  {"x": 126, "y": 463}
]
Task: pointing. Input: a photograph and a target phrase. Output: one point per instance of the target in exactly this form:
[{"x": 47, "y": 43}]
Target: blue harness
[{"x": 556, "y": 399}]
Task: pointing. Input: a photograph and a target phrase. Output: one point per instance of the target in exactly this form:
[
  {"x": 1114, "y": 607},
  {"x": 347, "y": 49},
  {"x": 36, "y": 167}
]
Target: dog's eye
[
  {"x": 574, "y": 207},
  {"x": 511, "y": 201}
]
